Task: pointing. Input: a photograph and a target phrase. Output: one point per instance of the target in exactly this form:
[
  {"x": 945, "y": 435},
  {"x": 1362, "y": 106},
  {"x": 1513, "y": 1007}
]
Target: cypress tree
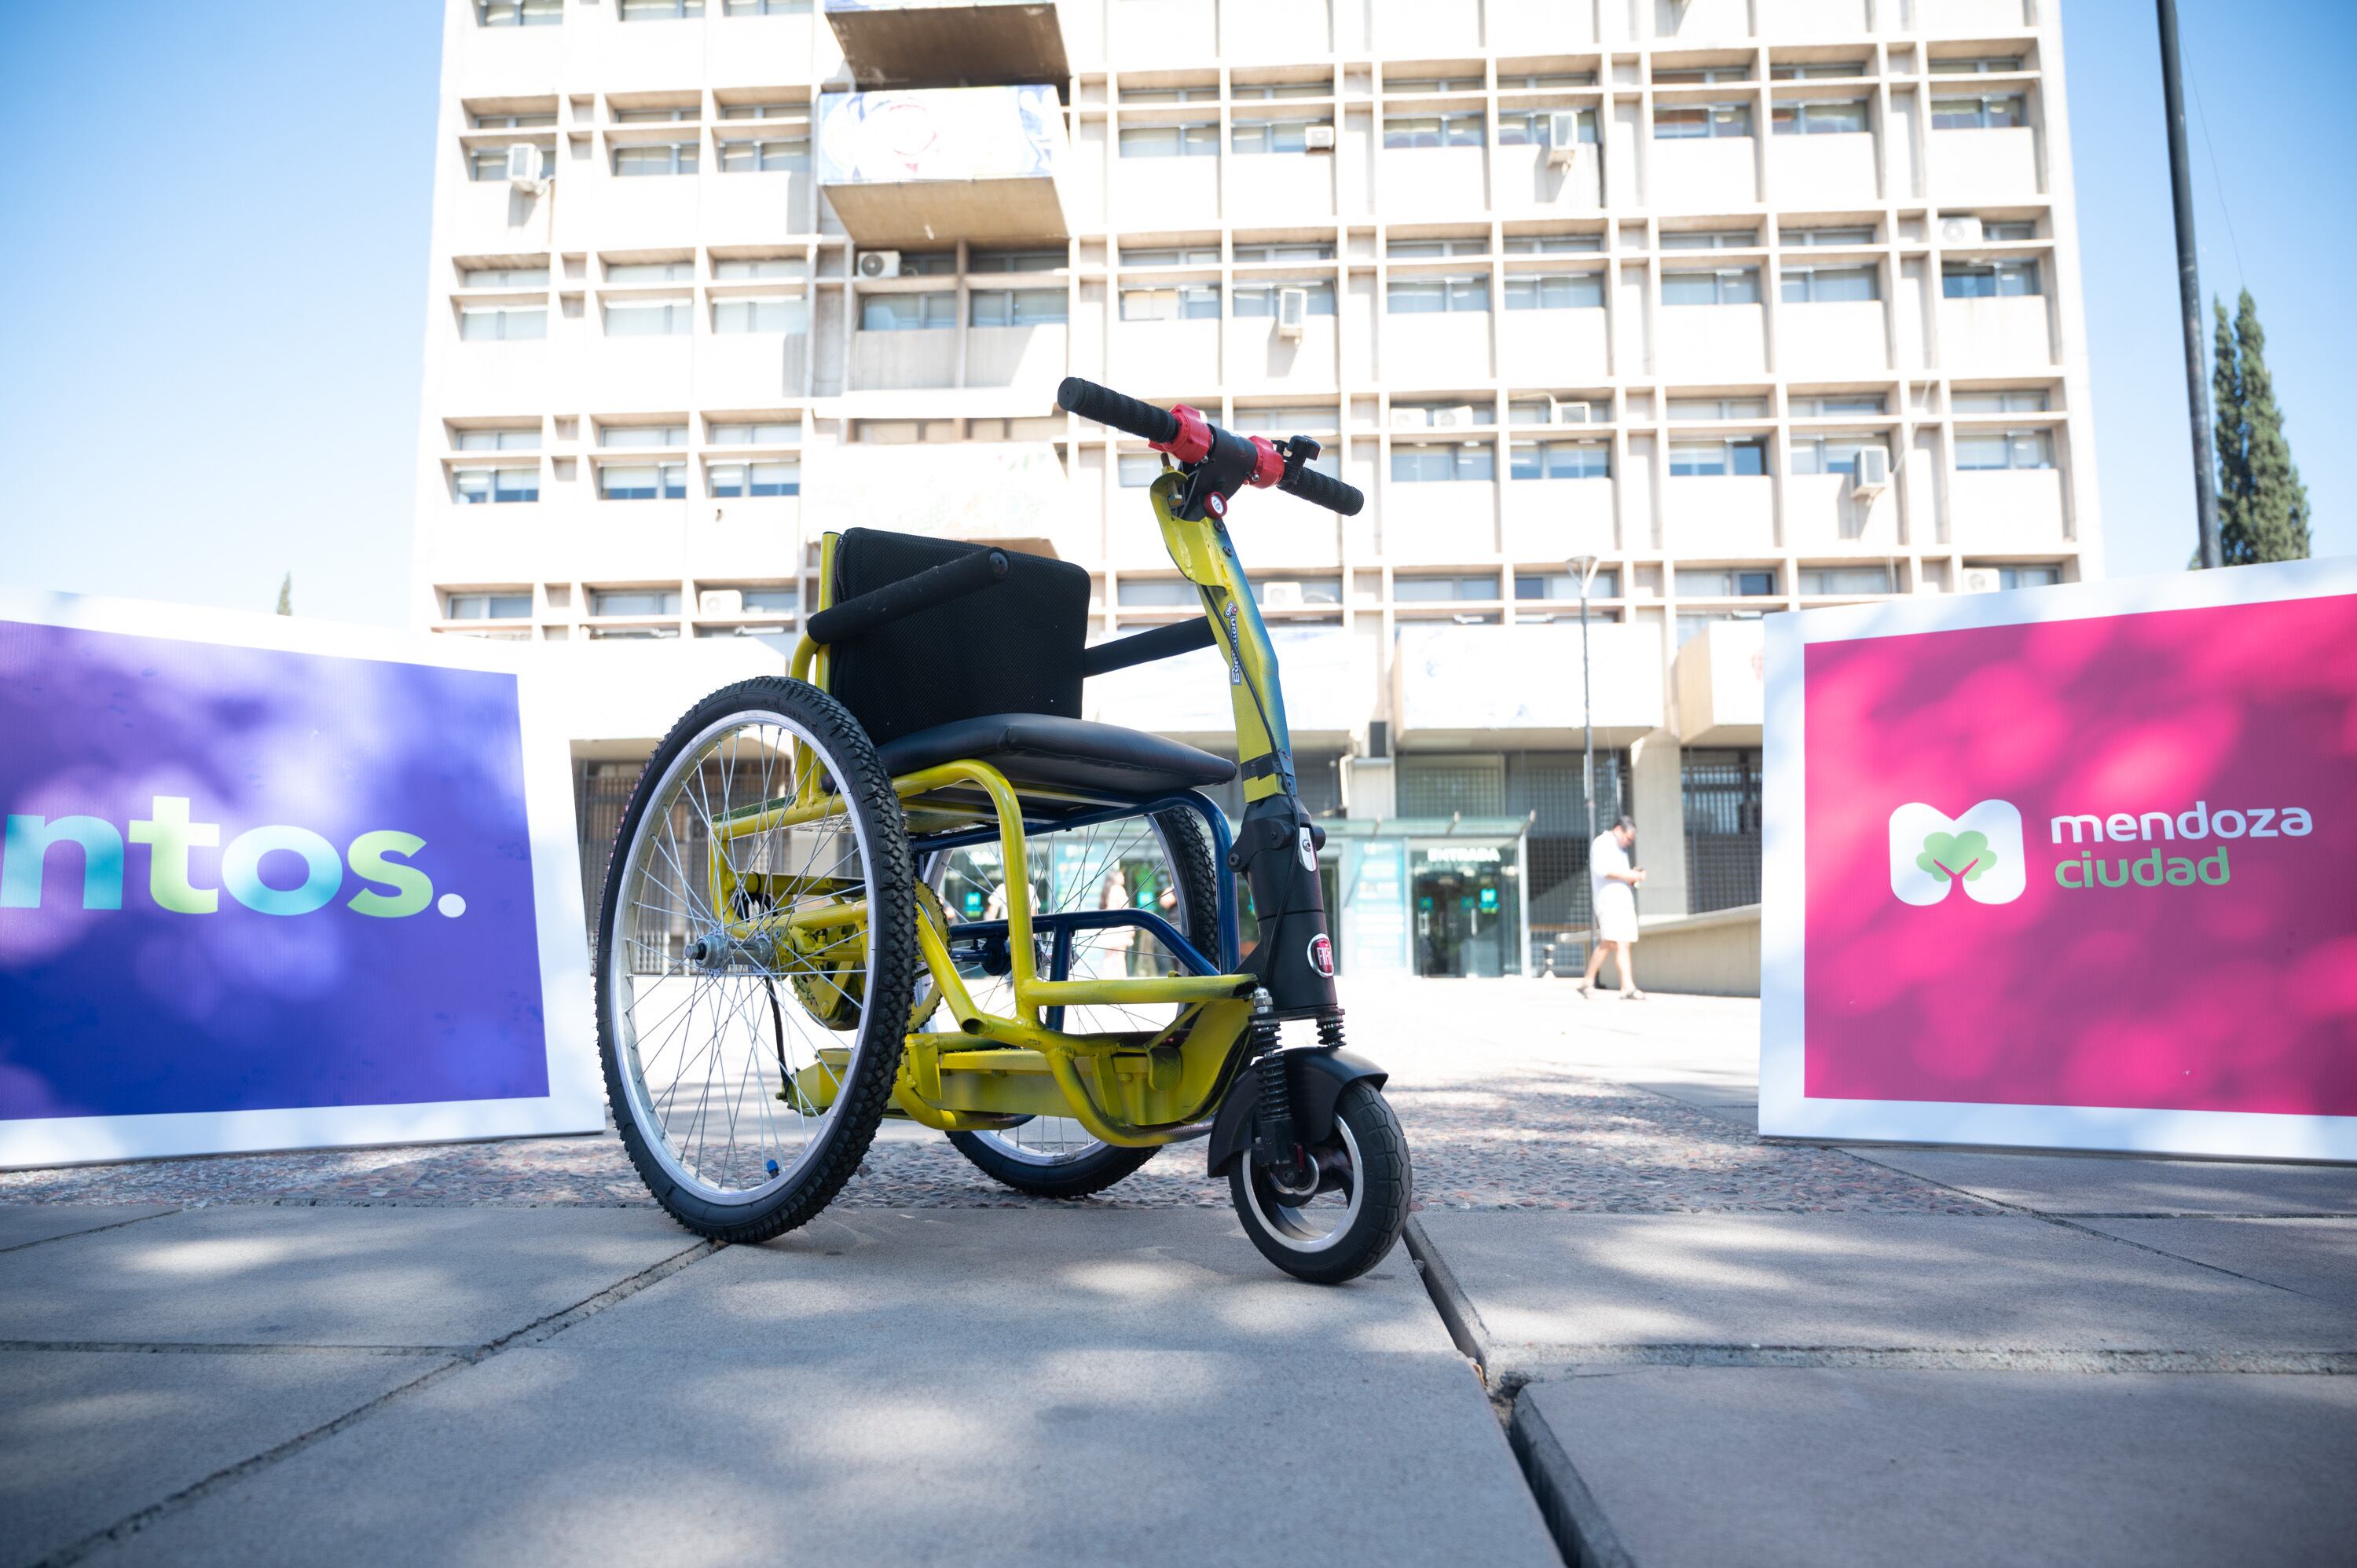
[
  {"x": 2262, "y": 505},
  {"x": 286, "y": 595}
]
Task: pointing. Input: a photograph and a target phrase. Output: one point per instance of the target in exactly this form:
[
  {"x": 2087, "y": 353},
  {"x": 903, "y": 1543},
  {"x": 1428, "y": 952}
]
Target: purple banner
[{"x": 236, "y": 879}]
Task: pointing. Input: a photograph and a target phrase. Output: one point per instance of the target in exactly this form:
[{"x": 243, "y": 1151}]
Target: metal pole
[
  {"x": 2189, "y": 291},
  {"x": 1588, "y": 745}
]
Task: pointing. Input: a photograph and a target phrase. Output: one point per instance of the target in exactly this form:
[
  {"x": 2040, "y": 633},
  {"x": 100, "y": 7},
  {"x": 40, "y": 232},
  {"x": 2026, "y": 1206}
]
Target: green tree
[
  {"x": 286, "y": 595},
  {"x": 2262, "y": 505}
]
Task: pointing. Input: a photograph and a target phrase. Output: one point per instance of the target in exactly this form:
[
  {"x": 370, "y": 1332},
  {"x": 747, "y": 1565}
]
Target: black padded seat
[{"x": 1049, "y": 752}]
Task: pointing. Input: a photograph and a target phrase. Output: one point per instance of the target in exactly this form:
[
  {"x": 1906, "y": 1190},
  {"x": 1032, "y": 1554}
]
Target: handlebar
[{"x": 1217, "y": 462}]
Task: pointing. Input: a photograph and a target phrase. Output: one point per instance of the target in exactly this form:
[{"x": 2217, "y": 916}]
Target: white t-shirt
[{"x": 1606, "y": 857}]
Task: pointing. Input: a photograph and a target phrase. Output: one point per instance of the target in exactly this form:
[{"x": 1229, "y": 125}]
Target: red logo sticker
[{"x": 1321, "y": 955}]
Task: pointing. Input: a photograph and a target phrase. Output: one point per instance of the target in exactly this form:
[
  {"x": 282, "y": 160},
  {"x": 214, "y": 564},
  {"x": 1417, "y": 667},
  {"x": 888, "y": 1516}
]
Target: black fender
[{"x": 1317, "y": 1074}]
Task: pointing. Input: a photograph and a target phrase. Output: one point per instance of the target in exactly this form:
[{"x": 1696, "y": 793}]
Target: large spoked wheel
[
  {"x": 755, "y": 978},
  {"x": 1161, "y": 863},
  {"x": 1348, "y": 1225}
]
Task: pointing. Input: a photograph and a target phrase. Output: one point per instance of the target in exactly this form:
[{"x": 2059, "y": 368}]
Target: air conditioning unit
[
  {"x": 720, "y": 602},
  {"x": 1318, "y": 138},
  {"x": 523, "y": 165},
  {"x": 1872, "y": 475},
  {"x": 1280, "y": 595},
  {"x": 1565, "y": 411},
  {"x": 1563, "y": 138},
  {"x": 1292, "y": 311},
  {"x": 880, "y": 263},
  {"x": 1960, "y": 230},
  {"x": 1980, "y": 580},
  {"x": 1410, "y": 419}
]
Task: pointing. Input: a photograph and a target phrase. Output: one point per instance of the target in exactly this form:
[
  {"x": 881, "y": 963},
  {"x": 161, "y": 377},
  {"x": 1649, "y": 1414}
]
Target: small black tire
[
  {"x": 841, "y": 1143},
  {"x": 1081, "y": 1175},
  {"x": 1364, "y": 1128}
]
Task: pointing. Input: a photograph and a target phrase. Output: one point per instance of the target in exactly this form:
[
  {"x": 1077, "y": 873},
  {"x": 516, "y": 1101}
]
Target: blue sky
[{"x": 223, "y": 386}]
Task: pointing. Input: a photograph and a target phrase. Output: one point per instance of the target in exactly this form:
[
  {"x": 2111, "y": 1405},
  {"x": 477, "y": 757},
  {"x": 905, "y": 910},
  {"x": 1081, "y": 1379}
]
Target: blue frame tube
[{"x": 1064, "y": 924}]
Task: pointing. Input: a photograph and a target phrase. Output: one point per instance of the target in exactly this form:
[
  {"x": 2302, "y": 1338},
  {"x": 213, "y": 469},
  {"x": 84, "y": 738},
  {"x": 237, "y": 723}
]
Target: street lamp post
[
  {"x": 2189, "y": 289},
  {"x": 1584, "y": 567}
]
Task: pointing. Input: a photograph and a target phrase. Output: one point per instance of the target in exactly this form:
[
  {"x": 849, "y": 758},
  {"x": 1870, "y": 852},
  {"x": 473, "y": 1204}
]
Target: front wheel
[{"x": 1348, "y": 1226}]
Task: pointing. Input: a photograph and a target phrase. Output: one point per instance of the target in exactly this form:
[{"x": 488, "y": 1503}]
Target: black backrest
[{"x": 1014, "y": 648}]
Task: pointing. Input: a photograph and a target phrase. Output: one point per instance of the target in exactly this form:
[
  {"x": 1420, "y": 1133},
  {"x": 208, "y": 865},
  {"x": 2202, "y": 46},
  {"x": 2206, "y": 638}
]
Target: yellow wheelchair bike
[{"x": 909, "y": 880}]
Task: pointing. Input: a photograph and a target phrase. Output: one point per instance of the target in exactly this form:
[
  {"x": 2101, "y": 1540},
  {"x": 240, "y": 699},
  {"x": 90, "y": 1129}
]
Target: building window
[
  {"x": 1201, "y": 140},
  {"x": 1726, "y": 286},
  {"x": 496, "y": 323},
  {"x": 1740, "y": 458},
  {"x": 2040, "y": 576},
  {"x": 1813, "y": 70},
  {"x": 1297, "y": 593},
  {"x": 777, "y": 110},
  {"x": 1251, "y": 299},
  {"x": 1290, "y": 418},
  {"x": 1987, "y": 280},
  {"x": 1561, "y": 460},
  {"x": 659, "y": 10},
  {"x": 781, "y": 477},
  {"x": 1170, "y": 256},
  {"x": 1430, "y": 462},
  {"x": 1722, "y": 795},
  {"x": 928, "y": 263},
  {"x": 1859, "y": 236},
  {"x": 656, "y": 157},
  {"x": 2011, "y": 400},
  {"x": 1980, "y": 65},
  {"x": 1433, "y": 295},
  {"x": 1836, "y": 405},
  {"x": 1427, "y": 249},
  {"x": 634, "y": 601},
  {"x": 1715, "y": 410},
  {"x": 771, "y": 154},
  {"x": 1710, "y": 240},
  {"x": 1826, "y": 580},
  {"x": 770, "y": 433},
  {"x": 1157, "y": 594},
  {"x": 1565, "y": 291},
  {"x": 1831, "y": 453},
  {"x": 2005, "y": 449},
  {"x": 2006, "y": 233},
  {"x": 640, "y": 482},
  {"x": 1791, "y": 119},
  {"x": 740, "y": 268},
  {"x": 485, "y": 164},
  {"x": 1534, "y": 127},
  {"x": 649, "y": 317},
  {"x": 764, "y": 7},
  {"x": 650, "y": 272},
  {"x": 1019, "y": 308},
  {"x": 1202, "y": 95},
  {"x": 1700, "y": 76},
  {"x": 519, "y": 13},
  {"x": 1698, "y": 121},
  {"x": 1430, "y": 84},
  {"x": 1825, "y": 286},
  {"x": 1442, "y": 415},
  {"x": 1993, "y": 111},
  {"x": 1715, "y": 583},
  {"x": 1191, "y": 302},
  {"x": 512, "y": 122},
  {"x": 504, "y": 277},
  {"x": 1138, "y": 470},
  {"x": 515, "y": 606},
  {"x": 1561, "y": 586},
  {"x": 524, "y": 439},
  {"x": 1016, "y": 261},
  {"x": 1426, "y": 588},
  {"x": 761, "y": 313},
  {"x": 1467, "y": 130},
  {"x": 1270, "y": 136},
  {"x": 1323, "y": 87},
  {"x": 478, "y": 487},
  {"x": 1552, "y": 244},
  {"x": 908, "y": 312},
  {"x": 1251, "y": 255},
  {"x": 657, "y": 114},
  {"x": 613, "y": 435},
  {"x": 1508, "y": 82}
]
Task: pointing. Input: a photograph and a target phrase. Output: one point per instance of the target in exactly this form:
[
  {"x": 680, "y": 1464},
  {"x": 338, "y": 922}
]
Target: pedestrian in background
[{"x": 1612, "y": 880}]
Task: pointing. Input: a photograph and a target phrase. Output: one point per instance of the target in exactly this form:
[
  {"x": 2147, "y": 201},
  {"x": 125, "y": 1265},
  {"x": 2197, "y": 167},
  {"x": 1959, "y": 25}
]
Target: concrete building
[{"x": 1764, "y": 304}]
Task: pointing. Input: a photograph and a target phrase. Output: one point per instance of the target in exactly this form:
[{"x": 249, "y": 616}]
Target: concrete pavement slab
[
  {"x": 2314, "y": 1257},
  {"x": 22, "y": 1224},
  {"x": 869, "y": 1281},
  {"x": 326, "y": 1276},
  {"x": 1681, "y": 1466},
  {"x": 1545, "y": 1291},
  {"x": 93, "y": 1437},
  {"x": 2107, "y": 1184}
]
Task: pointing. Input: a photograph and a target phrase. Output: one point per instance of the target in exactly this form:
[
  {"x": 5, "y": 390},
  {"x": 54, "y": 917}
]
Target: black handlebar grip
[
  {"x": 1324, "y": 491},
  {"x": 1107, "y": 406}
]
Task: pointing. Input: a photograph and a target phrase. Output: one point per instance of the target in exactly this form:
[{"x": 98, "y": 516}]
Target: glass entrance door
[{"x": 1466, "y": 917}]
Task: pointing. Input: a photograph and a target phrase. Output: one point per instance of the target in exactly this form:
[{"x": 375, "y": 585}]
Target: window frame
[
  {"x": 1713, "y": 116},
  {"x": 686, "y": 157}
]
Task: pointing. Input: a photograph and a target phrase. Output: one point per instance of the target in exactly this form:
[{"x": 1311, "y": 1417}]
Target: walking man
[{"x": 1613, "y": 890}]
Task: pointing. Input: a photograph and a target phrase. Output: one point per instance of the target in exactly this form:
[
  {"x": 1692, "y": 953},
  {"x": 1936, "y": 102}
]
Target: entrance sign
[
  {"x": 270, "y": 884},
  {"x": 2072, "y": 867}
]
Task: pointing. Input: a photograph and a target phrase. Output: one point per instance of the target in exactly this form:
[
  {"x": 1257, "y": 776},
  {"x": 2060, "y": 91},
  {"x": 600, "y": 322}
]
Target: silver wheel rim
[
  {"x": 1305, "y": 1229},
  {"x": 1076, "y": 873},
  {"x": 703, "y": 1048}
]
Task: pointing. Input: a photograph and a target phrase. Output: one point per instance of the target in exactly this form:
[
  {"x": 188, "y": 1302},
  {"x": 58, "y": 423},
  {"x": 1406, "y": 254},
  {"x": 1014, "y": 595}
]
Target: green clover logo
[{"x": 1952, "y": 855}]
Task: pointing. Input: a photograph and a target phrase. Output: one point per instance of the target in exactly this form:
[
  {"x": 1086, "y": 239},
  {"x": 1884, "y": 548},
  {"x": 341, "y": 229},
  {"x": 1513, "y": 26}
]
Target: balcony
[
  {"x": 1520, "y": 685},
  {"x": 1720, "y": 698},
  {"x": 898, "y": 42},
  {"x": 926, "y": 167}
]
